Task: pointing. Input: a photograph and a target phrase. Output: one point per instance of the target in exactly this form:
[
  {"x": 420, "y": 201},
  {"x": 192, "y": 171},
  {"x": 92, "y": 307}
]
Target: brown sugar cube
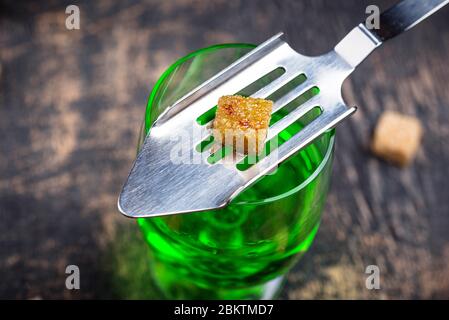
[
  {"x": 242, "y": 122},
  {"x": 396, "y": 137}
]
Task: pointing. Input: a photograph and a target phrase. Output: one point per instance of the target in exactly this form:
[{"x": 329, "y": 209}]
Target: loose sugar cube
[
  {"x": 242, "y": 122},
  {"x": 397, "y": 137}
]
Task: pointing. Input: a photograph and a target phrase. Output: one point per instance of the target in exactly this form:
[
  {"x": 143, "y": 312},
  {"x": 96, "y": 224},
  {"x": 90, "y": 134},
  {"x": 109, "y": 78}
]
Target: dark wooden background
[{"x": 71, "y": 103}]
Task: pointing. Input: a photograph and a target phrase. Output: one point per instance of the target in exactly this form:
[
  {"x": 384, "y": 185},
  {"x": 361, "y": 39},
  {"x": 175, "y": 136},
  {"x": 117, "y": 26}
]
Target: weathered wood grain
[{"x": 71, "y": 103}]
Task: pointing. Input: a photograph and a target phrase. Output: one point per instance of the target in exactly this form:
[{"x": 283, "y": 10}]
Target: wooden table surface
[{"x": 71, "y": 103}]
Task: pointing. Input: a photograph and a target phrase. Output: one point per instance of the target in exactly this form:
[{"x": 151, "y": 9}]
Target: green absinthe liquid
[{"x": 232, "y": 252}]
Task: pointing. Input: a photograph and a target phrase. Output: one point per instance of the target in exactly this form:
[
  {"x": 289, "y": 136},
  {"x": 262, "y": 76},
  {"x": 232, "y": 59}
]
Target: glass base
[{"x": 178, "y": 287}]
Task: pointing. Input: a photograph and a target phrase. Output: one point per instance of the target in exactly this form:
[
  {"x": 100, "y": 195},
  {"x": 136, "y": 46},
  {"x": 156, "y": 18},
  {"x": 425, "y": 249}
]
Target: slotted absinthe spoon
[{"x": 157, "y": 185}]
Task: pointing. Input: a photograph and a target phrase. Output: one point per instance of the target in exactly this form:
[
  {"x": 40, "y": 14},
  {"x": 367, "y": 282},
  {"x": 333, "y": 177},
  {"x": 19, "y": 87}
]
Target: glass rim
[{"x": 192, "y": 54}]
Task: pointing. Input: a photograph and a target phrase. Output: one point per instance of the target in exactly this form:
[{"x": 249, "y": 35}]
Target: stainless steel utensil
[{"x": 159, "y": 186}]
